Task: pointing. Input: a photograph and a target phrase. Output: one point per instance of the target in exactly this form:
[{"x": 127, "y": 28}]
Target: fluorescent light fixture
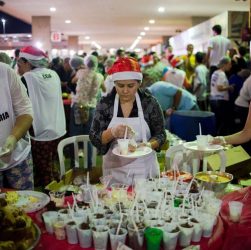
[
  {"x": 96, "y": 45},
  {"x": 87, "y": 38},
  {"x": 161, "y": 9},
  {"x": 146, "y": 28},
  {"x": 39, "y": 45},
  {"x": 52, "y": 9},
  {"x": 67, "y": 21},
  {"x": 151, "y": 21},
  {"x": 142, "y": 33},
  {"x": 139, "y": 37},
  {"x": 29, "y": 36}
]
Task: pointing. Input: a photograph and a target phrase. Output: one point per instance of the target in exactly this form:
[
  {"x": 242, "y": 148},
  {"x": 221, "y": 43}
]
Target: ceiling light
[
  {"x": 52, "y": 9},
  {"x": 139, "y": 37},
  {"x": 87, "y": 37},
  {"x": 29, "y": 35},
  {"x": 151, "y": 21},
  {"x": 142, "y": 33},
  {"x": 39, "y": 45},
  {"x": 96, "y": 45},
  {"x": 67, "y": 21},
  {"x": 161, "y": 9},
  {"x": 146, "y": 28}
]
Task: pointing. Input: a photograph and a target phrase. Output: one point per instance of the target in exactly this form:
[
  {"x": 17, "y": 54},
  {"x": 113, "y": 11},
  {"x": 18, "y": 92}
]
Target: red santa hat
[
  {"x": 176, "y": 61},
  {"x": 126, "y": 68},
  {"x": 32, "y": 53}
]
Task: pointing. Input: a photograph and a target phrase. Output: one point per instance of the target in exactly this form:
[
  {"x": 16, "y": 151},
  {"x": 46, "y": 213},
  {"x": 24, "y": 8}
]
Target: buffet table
[{"x": 226, "y": 236}]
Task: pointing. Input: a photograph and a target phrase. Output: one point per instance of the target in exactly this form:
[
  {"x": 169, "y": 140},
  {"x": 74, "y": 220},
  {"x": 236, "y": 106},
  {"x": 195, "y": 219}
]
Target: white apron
[
  {"x": 119, "y": 167},
  {"x": 7, "y": 121}
]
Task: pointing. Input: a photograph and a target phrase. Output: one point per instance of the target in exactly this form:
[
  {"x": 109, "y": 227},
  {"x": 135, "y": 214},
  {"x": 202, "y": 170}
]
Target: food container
[
  {"x": 173, "y": 174},
  {"x": 213, "y": 180}
]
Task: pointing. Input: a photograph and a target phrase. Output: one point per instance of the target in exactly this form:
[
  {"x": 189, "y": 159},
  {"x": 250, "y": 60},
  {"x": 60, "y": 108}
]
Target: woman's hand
[
  {"x": 119, "y": 131},
  {"x": 218, "y": 140}
]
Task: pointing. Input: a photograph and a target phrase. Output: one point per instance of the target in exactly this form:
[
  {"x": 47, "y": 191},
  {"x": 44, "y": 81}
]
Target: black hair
[
  {"x": 199, "y": 56},
  {"x": 242, "y": 50},
  {"x": 217, "y": 29}
]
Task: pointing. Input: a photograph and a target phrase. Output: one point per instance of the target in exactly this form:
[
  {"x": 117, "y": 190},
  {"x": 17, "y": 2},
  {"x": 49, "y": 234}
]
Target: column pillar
[
  {"x": 41, "y": 32},
  {"x": 73, "y": 43}
]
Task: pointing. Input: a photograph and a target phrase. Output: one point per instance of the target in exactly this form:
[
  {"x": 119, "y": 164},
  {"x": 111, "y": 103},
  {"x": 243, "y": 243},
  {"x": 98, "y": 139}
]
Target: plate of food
[
  {"x": 139, "y": 152},
  {"x": 209, "y": 148},
  {"x": 29, "y": 201},
  {"x": 18, "y": 231}
]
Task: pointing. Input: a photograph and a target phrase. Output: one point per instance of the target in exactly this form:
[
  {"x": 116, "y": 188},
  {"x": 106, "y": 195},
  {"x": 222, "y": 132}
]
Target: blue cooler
[{"x": 185, "y": 124}]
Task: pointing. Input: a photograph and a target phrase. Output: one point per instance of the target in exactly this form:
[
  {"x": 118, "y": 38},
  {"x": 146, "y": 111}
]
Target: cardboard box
[{"x": 238, "y": 162}]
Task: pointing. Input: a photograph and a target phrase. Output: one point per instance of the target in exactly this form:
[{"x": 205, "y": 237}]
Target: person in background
[
  {"x": 15, "y": 59},
  {"x": 171, "y": 98},
  {"x": 200, "y": 81},
  {"x": 48, "y": 126},
  {"x": 15, "y": 120},
  {"x": 85, "y": 100},
  {"x": 242, "y": 104},
  {"x": 176, "y": 75},
  {"x": 108, "y": 81},
  {"x": 120, "y": 53},
  {"x": 129, "y": 108},
  {"x": 5, "y": 58},
  {"x": 189, "y": 62},
  {"x": 219, "y": 96},
  {"x": 217, "y": 48}
]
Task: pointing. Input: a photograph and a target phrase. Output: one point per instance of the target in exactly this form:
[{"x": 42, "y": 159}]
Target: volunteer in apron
[
  {"x": 128, "y": 106},
  {"x": 15, "y": 119}
]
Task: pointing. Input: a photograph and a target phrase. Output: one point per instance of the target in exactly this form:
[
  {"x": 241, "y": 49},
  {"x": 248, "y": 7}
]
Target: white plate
[
  {"x": 140, "y": 152},
  {"x": 25, "y": 202},
  {"x": 210, "y": 148},
  {"x": 3, "y": 152}
]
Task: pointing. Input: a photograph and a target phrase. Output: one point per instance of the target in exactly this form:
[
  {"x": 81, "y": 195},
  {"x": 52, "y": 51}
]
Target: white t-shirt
[
  {"x": 175, "y": 76},
  {"x": 14, "y": 100},
  {"x": 201, "y": 77},
  {"x": 44, "y": 88},
  {"x": 219, "y": 46},
  {"x": 219, "y": 78},
  {"x": 244, "y": 97}
]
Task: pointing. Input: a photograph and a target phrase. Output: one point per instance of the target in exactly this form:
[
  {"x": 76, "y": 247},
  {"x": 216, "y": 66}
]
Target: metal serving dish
[{"x": 213, "y": 180}]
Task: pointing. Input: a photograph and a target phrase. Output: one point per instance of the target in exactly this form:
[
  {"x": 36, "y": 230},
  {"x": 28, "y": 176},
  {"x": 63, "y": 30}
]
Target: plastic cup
[
  {"x": 153, "y": 238},
  {"x": 57, "y": 197},
  {"x": 123, "y": 146},
  {"x": 186, "y": 232},
  {"x": 115, "y": 239},
  {"x": 71, "y": 232},
  {"x": 202, "y": 141},
  {"x": 207, "y": 223},
  {"x": 119, "y": 191},
  {"x": 136, "y": 238},
  {"x": 59, "y": 229},
  {"x": 63, "y": 214},
  {"x": 86, "y": 192},
  {"x": 170, "y": 238},
  {"x": 235, "y": 209},
  {"x": 197, "y": 230},
  {"x": 49, "y": 218},
  {"x": 84, "y": 235},
  {"x": 100, "y": 237}
]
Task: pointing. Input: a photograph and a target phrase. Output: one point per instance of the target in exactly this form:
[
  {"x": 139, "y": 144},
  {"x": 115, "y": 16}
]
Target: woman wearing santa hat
[{"x": 127, "y": 106}]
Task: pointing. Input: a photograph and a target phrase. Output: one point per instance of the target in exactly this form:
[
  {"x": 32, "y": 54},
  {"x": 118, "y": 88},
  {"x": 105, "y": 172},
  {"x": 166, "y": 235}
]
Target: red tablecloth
[{"x": 49, "y": 242}]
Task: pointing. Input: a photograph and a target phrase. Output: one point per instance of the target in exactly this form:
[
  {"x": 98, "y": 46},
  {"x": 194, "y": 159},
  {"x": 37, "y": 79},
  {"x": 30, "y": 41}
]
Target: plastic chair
[{"x": 75, "y": 140}]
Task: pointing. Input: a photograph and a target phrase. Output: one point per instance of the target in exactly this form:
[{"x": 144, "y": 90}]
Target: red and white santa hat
[
  {"x": 32, "y": 53},
  {"x": 126, "y": 68}
]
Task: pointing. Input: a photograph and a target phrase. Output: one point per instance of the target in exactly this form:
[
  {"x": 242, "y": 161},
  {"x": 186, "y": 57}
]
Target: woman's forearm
[
  {"x": 107, "y": 136},
  {"x": 22, "y": 125}
]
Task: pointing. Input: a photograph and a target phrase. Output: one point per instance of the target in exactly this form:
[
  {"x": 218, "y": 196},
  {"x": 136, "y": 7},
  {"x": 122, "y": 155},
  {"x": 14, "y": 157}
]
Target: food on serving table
[
  {"x": 17, "y": 229},
  {"x": 212, "y": 177},
  {"x": 172, "y": 174}
]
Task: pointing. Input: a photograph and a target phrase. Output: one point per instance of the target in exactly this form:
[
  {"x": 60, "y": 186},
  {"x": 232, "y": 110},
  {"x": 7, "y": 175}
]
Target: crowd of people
[{"x": 111, "y": 94}]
